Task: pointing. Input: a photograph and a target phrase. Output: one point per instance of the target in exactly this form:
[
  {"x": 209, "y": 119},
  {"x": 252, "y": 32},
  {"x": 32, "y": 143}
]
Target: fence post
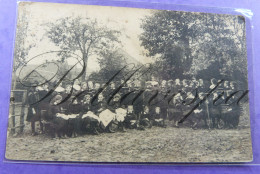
[
  {"x": 13, "y": 113},
  {"x": 22, "y": 111}
]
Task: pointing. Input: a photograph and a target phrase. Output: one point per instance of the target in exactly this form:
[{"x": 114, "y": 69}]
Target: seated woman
[
  {"x": 131, "y": 119},
  {"x": 120, "y": 112},
  {"x": 105, "y": 115},
  {"x": 75, "y": 112},
  {"x": 90, "y": 121},
  {"x": 55, "y": 124},
  {"x": 158, "y": 120},
  {"x": 200, "y": 114},
  {"x": 146, "y": 118}
]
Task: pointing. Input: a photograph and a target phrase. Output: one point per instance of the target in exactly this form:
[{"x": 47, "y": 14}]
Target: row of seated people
[
  {"x": 74, "y": 117},
  {"x": 76, "y": 110}
]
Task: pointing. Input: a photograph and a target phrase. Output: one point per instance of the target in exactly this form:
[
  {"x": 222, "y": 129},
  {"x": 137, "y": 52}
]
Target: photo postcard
[{"x": 115, "y": 84}]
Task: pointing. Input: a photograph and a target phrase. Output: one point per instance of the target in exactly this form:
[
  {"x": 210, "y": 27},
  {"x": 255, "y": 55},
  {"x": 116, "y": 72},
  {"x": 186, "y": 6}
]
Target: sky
[{"x": 126, "y": 20}]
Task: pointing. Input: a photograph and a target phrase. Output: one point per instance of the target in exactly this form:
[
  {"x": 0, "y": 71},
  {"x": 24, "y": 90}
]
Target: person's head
[
  {"x": 97, "y": 86},
  {"x": 226, "y": 84},
  {"x": 192, "y": 83},
  {"x": 164, "y": 83},
  {"x": 137, "y": 83},
  {"x": 184, "y": 82},
  {"x": 84, "y": 86},
  {"x": 90, "y": 85},
  {"x": 76, "y": 82},
  {"x": 177, "y": 82},
  {"x": 130, "y": 109},
  {"x": 170, "y": 83},
  {"x": 146, "y": 109},
  {"x": 129, "y": 83},
  {"x": 76, "y": 88},
  {"x": 232, "y": 84},
  {"x": 45, "y": 87},
  {"x": 155, "y": 85},
  {"x": 112, "y": 85},
  {"x": 100, "y": 97},
  {"x": 57, "y": 99},
  {"x": 87, "y": 98},
  {"x": 68, "y": 88},
  {"x": 215, "y": 95},
  {"x": 116, "y": 97},
  {"x": 157, "y": 110},
  {"x": 196, "y": 84}
]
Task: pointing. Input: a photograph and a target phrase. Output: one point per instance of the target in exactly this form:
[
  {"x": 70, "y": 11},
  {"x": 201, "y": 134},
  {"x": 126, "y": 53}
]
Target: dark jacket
[{"x": 33, "y": 109}]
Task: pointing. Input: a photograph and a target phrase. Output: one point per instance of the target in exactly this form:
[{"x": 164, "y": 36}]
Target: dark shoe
[{"x": 34, "y": 133}]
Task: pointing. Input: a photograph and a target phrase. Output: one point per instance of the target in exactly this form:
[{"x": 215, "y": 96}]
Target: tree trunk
[{"x": 84, "y": 75}]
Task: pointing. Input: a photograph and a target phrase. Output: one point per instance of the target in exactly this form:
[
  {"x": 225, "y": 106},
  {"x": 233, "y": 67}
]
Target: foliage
[
  {"x": 111, "y": 61},
  {"x": 82, "y": 36},
  {"x": 187, "y": 43},
  {"x": 22, "y": 46}
]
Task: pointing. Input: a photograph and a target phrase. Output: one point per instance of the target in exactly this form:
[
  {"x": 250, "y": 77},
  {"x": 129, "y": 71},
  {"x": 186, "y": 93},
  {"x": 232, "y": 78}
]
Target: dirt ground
[
  {"x": 151, "y": 145},
  {"x": 169, "y": 144}
]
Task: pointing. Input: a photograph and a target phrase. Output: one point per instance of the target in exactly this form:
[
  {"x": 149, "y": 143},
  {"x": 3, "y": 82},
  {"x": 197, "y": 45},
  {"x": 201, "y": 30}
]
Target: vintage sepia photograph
[{"x": 115, "y": 84}]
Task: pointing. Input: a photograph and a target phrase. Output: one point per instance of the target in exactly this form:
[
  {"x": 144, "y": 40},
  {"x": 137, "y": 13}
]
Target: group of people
[{"x": 87, "y": 107}]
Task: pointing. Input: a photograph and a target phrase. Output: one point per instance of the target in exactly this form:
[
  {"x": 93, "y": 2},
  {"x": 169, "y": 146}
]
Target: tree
[
  {"x": 24, "y": 42},
  {"x": 81, "y": 36},
  {"x": 186, "y": 43},
  {"x": 22, "y": 46},
  {"x": 111, "y": 61},
  {"x": 168, "y": 34},
  {"x": 223, "y": 45}
]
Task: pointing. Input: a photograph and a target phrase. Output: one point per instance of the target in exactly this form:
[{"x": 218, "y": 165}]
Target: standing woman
[
  {"x": 162, "y": 102},
  {"x": 33, "y": 110}
]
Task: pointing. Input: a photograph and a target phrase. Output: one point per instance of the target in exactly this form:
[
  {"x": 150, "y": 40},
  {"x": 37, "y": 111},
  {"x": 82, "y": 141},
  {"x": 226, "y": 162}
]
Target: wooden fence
[{"x": 17, "y": 110}]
